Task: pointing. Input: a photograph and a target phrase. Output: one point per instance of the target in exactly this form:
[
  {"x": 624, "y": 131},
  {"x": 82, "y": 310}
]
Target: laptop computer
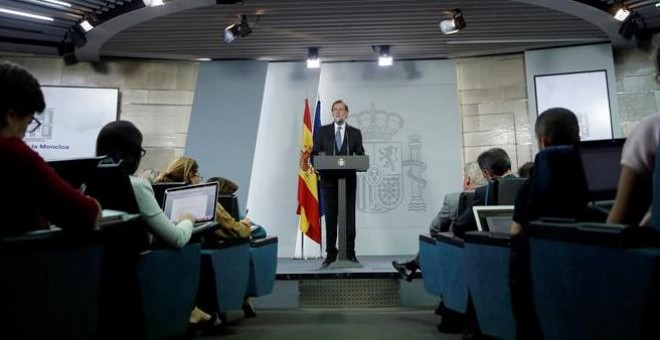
[
  {"x": 76, "y": 171},
  {"x": 160, "y": 188},
  {"x": 601, "y": 161},
  {"x": 111, "y": 186},
  {"x": 198, "y": 200},
  {"x": 497, "y": 218}
]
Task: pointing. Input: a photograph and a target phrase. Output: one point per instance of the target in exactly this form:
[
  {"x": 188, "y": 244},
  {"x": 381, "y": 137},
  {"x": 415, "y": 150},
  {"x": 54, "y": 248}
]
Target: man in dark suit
[
  {"x": 338, "y": 138},
  {"x": 495, "y": 164}
]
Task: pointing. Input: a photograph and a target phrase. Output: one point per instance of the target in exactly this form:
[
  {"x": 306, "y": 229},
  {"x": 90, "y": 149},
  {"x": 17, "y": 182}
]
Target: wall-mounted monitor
[
  {"x": 72, "y": 121},
  {"x": 584, "y": 93}
]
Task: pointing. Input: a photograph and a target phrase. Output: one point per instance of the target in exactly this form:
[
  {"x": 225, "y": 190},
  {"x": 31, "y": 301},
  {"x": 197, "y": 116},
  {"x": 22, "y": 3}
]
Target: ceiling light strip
[
  {"x": 57, "y": 2},
  {"x": 25, "y": 14}
]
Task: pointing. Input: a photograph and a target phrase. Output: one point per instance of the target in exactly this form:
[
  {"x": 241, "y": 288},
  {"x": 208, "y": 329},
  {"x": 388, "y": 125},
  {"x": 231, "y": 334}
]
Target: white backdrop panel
[
  {"x": 72, "y": 121},
  {"x": 272, "y": 198},
  {"x": 408, "y": 114}
]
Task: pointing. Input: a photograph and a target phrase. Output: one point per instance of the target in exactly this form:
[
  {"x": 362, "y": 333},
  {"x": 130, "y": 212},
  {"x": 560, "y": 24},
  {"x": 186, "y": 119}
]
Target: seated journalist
[
  {"x": 185, "y": 169},
  {"x": 472, "y": 178},
  {"x": 33, "y": 194}
]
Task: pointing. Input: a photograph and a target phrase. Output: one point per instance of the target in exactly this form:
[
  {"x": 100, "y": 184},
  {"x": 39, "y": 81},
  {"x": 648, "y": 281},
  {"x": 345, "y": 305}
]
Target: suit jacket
[
  {"x": 447, "y": 214},
  {"x": 482, "y": 196},
  {"x": 324, "y": 144}
]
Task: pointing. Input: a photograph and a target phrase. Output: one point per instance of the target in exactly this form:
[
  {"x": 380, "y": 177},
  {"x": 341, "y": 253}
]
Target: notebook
[
  {"x": 198, "y": 200},
  {"x": 497, "y": 218}
]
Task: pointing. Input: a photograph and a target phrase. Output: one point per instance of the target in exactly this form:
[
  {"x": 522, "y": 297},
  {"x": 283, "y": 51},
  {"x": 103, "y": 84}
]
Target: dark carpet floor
[{"x": 319, "y": 324}]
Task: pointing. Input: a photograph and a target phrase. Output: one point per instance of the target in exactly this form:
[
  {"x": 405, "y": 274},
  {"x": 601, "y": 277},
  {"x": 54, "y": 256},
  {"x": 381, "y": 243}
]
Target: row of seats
[
  {"x": 70, "y": 286},
  {"x": 589, "y": 280}
]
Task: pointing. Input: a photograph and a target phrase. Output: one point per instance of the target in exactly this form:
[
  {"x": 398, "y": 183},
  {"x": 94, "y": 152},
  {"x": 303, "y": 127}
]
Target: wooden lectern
[{"x": 324, "y": 163}]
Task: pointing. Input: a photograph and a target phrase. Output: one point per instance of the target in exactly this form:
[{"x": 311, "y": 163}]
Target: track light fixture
[
  {"x": 453, "y": 25},
  {"x": 384, "y": 56},
  {"x": 235, "y": 30},
  {"x": 633, "y": 23},
  {"x": 313, "y": 60}
]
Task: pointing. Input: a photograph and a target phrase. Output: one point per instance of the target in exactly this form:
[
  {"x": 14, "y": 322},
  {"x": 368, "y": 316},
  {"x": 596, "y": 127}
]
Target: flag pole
[{"x": 302, "y": 245}]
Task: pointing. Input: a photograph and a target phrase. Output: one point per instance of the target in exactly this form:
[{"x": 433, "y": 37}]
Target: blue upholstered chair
[
  {"x": 168, "y": 280},
  {"x": 225, "y": 275},
  {"x": 655, "y": 208},
  {"x": 558, "y": 188},
  {"x": 487, "y": 277},
  {"x": 429, "y": 261},
  {"x": 595, "y": 281},
  {"x": 49, "y": 287},
  {"x": 263, "y": 266},
  {"x": 451, "y": 258}
]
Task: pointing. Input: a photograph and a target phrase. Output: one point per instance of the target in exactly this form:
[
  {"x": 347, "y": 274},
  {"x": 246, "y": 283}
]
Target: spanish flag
[{"x": 308, "y": 201}]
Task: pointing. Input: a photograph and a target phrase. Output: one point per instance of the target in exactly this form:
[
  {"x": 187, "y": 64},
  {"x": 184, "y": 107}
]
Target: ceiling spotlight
[
  {"x": 313, "y": 60},
  {"x": 235, "y": 30},
  {"x": 620, "y": 12},
  {"x": 153, "y": 3},
  {"x": 86, "y": 25},
  {"x": 453, "y": 25},
  {"x": 384, "y": 56}
]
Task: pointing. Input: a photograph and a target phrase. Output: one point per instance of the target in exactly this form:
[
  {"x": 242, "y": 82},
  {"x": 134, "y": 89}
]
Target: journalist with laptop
[{"x": 122, "y": 141}]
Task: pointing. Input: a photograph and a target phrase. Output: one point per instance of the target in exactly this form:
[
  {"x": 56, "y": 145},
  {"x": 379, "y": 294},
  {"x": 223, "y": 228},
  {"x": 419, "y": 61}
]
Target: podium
[{"x": 325, "y": 164}]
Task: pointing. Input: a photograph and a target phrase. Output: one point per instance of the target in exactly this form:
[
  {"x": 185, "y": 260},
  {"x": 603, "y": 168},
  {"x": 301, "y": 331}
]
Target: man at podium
[{"x": 337, "y": 139}]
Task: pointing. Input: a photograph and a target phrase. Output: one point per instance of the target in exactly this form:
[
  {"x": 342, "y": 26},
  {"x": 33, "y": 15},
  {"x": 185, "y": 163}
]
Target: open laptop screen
[
  {"x": 496, "y": 218},
  {"x": 198, "y": 200}
]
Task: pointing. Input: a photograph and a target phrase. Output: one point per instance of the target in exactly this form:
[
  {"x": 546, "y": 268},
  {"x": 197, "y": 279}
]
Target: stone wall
[
  {"x": 493, "y": 100},
  {"x": 637, "y": 90},
  {"x": 155, "y": 95},
  {"x": 492, "y": 97}
]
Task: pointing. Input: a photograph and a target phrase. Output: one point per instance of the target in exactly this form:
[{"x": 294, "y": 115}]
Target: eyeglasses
[
  {"x": 143, "y": 152},
  {"x": 34, "y": 125},
  {"x": 201, "y": 178}
]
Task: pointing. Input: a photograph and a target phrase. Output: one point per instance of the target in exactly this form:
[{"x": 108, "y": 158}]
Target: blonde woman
[{"x": 185, "y": 169}]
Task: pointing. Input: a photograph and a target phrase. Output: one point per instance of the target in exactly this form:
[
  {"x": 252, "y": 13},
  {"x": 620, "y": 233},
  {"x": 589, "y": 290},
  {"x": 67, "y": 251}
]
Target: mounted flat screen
[
  {"x": 584, "y": 93},
  {"x": 72, "y": 121}
]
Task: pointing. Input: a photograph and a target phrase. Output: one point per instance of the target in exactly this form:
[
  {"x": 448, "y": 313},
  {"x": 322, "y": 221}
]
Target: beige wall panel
[
  {"x": 635, "y": 106},
  {"x": 469, "y": 110},
  {"x": 637, "y": 83},
  {"x": 186, "y": 76},
  {"x": 171, "y": 97},
  {"x": 162, "y": 75},
  {"x": 515, "y": 92},
  {"x": 486, "y": 123},
  {"x": 173, "y": 140},
  {"x": 156, "y": 119},
  {"x": 515, "y": 107},
  {"x": 478, "y": 96},
  {"x": 489, "y": 138},
  {"x": 47, "y": 70},
  {"x": 134, "y": 97},
  {"x": 92, "y": 75}
]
